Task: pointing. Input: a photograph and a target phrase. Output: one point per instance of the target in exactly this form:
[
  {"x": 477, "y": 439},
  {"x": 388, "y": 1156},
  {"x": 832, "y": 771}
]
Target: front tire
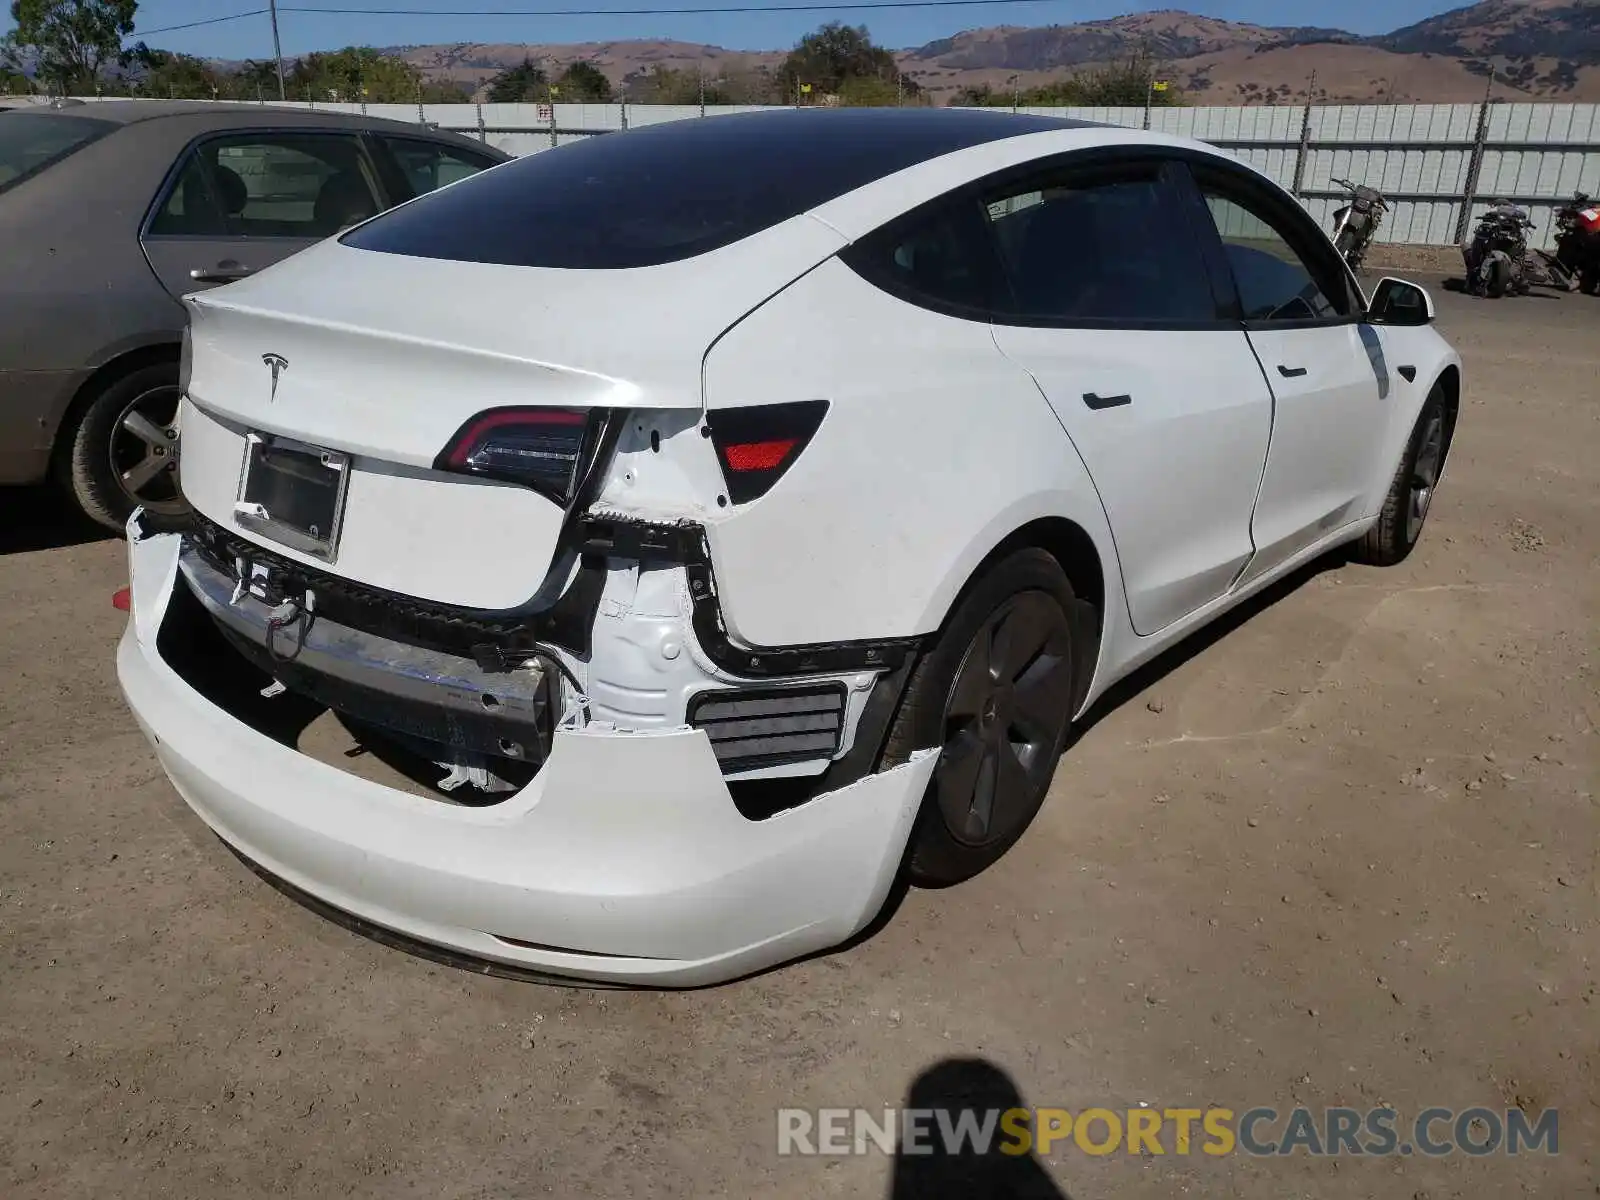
[
  {"x": 995, "y": 694},
  {"x": 1405, "y": 507},
  {"x": 123, "y": 451},
  {"x": 1346, "y": 244}
]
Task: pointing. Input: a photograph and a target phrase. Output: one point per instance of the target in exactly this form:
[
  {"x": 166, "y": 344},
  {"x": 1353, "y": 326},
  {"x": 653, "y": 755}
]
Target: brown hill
[{"x": 1542, "y": 50}]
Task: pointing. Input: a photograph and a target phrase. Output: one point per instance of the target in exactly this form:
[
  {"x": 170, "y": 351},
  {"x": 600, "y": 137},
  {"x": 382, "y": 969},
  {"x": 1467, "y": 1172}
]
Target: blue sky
[{"x": 250, "y": 37}]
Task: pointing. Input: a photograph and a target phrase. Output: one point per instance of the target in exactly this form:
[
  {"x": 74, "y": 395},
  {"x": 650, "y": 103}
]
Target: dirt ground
[{"x": 1343, "y": 852}]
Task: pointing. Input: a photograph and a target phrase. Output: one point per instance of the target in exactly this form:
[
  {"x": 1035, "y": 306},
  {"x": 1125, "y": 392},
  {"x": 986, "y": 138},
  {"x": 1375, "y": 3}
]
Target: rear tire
[
  {"x": 1405, "y": 507},
  {"x": 1589, "y": 280},
  {"x": 995, "y": 694},
  {"x": 123, "y": 451}
]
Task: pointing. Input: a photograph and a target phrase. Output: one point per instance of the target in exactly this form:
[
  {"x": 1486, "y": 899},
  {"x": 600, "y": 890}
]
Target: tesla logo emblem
[{"x": 278, "y": 364}]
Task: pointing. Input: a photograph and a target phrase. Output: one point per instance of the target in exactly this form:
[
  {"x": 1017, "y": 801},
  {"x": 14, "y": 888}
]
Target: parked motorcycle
[
  {"x": 1496, "y": 257},
  {"x": 1578, "y": 241},
  {"x": 1356, "y": 224}
]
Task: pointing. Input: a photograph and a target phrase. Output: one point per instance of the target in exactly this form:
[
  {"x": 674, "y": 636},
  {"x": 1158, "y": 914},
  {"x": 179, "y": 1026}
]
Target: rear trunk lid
[{"x": 381, "y": 359}]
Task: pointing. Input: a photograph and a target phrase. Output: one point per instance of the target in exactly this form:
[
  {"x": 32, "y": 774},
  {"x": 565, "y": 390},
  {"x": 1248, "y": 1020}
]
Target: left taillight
[
  {"x": 185, "y": 361},
  {"x": 542, "y": 448},
  {"x": 757, "y": 444}
]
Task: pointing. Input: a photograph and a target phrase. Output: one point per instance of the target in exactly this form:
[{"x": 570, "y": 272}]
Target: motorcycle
[
  {"x": 1356, "y": 224},
  {"x": 1497, "y": 256},
  {"x": 1578, "y": 242}
]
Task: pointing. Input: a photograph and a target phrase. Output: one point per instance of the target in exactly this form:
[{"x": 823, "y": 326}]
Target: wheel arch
[
  {"x": 121, "y": 363},
  {"x": 1078, "y": 554},
  {"x": 1449, "y": 385}
]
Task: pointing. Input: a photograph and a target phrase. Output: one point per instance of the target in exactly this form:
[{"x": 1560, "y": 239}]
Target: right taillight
[
  {"x": 541, "y": 448},
  {"x": 757, "y": 444}
]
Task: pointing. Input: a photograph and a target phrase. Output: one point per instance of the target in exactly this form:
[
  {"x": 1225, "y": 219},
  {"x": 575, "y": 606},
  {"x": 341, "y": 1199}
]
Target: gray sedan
[{"x": 109, "y": 212}]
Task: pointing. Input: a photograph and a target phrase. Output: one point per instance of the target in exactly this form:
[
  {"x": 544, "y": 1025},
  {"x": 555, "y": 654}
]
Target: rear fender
[{"x": 934, "y": 449}]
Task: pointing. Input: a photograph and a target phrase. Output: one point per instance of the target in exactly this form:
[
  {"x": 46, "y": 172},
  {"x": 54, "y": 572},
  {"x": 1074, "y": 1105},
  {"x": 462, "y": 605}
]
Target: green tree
[
  {"x": 837, "y": 54},
  {"x": 178, "y": 76},
  {"x": 525, "y": 81},
  {"x": 253, "y": 81},
  {"x": 70, "y": 41},
  {"x": 356, "y": 73},
  {"x": 584, "y": 83},
  {"x": 679, "y": 85}
]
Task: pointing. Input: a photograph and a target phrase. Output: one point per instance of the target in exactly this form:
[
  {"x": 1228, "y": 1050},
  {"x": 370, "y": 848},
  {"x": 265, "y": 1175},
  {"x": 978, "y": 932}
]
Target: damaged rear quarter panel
[{"x": 935, "y": 448}]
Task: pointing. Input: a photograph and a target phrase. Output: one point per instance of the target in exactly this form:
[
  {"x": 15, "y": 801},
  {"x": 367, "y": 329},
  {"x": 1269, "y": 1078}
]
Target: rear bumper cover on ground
[{"x": 625, "y": 860}]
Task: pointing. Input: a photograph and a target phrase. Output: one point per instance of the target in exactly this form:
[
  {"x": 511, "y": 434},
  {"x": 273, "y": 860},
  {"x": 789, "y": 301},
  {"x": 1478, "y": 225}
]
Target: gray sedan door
[{"x": 238, "y": 202}]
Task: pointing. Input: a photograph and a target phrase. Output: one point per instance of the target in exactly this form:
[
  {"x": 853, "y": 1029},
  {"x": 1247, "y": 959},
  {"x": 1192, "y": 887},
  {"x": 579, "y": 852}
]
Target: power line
[
  {"x": 239, "y": 16},
  {"x": 647, "y": 12}
]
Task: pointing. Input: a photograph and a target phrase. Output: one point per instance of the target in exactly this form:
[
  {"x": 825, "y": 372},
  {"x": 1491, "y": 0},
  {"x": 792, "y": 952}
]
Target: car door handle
[
  {"x": 1290, "y": 372},
  {"x": 223, "y": 272},
  {"x": 1097, "y": 402}
]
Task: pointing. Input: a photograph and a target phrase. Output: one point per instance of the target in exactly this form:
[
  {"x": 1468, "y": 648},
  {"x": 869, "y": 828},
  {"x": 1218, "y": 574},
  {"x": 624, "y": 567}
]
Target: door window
[
  {"x": 1098, "y": 246},
  {"x": 430, "y": 165},
  {"x": 279, "y": 185},
  {"x": 1276, "y": 281}
]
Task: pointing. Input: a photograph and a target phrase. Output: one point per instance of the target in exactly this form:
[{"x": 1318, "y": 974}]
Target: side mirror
[{"x": 1396, "y": 302}]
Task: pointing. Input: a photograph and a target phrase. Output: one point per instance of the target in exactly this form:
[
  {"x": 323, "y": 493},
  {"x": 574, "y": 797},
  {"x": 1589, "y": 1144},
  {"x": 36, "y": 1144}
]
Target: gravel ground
[{"x": 1340, "y": 852}]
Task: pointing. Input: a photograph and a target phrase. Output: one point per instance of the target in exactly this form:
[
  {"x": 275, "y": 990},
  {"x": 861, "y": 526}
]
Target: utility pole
[{"x": 277, "y": 48}]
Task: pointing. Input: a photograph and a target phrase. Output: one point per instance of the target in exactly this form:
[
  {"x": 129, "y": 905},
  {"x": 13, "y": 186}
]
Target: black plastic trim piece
[
  {"x": 1408, "y": 373},
  {"x": 685, "y": 544},
  {"x": 832, "y": 696},
  {"x": 758, "y": 799}
]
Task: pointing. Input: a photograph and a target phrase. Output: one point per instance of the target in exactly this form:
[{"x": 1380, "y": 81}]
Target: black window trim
[
  {"x": 1175, "y": 183},
  {"x": 174, "y": 172},
  {"x": 1328, "y": 271}
]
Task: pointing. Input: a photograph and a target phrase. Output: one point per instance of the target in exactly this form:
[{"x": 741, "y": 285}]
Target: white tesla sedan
[{"x": 732, "y": 514}]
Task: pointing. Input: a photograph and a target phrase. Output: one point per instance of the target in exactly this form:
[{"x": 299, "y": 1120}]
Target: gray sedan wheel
[{"x": 124, "y": 450}]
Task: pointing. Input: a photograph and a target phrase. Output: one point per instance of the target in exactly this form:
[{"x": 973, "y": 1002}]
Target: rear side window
[
  {"x": 1098, "y": 246},
  {"x": 940, "y": 258},
  {"x": 674, "y": 190},
  {"x": 29, "y": 143},
  {"x": 429, "y": 166},
  {"x": 1094, "y": 245}
]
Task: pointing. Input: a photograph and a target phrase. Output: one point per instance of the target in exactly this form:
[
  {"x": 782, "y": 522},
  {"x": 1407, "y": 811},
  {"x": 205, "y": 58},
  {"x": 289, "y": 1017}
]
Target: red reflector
[
  {"x": 122, "y": 599},
  {"x": 759, "y": 456}
]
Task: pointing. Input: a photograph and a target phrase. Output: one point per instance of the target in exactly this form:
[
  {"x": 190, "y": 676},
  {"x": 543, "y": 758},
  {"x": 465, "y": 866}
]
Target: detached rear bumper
[{"x": 625, "y": 860}]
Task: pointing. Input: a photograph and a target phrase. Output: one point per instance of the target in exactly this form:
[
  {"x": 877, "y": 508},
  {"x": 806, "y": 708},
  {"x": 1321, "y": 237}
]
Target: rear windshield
[
  {"x": 675, "y": 190},
  {"x": 31, "y": 142}
]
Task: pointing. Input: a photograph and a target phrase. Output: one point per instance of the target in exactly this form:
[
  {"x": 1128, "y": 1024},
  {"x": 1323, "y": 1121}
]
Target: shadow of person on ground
[{"x": 941, "y": 1172}]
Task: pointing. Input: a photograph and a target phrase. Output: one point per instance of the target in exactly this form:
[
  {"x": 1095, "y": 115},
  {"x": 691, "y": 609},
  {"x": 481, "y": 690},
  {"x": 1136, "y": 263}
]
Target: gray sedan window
[{"x": 294, "y": 185}]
